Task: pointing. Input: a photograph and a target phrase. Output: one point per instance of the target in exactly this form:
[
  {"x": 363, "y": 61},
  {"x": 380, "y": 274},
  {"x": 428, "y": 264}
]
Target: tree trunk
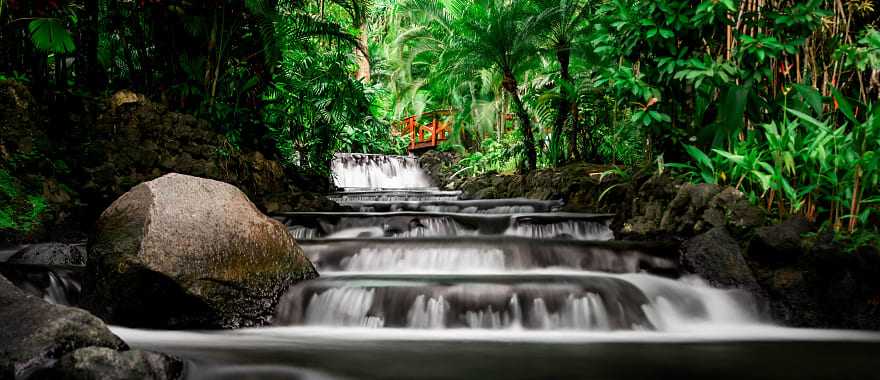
[
  {"x": 573, "y": 133},
  {"x": 511, "y": 86},
  {"x": 362, "y": 54},
  {"x": 563, "y": 55},
  {"x": 87, "y": 67}
]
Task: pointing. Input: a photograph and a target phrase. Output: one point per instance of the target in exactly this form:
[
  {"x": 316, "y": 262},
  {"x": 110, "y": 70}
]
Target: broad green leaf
[
  {"x": 735, "y": 158},
  {"x": 698, "y": 155},
  {"x": 807, "y": 118},
  {"x": 50, "y": 35}
]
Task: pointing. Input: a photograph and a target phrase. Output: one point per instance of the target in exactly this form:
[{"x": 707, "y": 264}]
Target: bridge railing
[{"x": 427, "y": 136}]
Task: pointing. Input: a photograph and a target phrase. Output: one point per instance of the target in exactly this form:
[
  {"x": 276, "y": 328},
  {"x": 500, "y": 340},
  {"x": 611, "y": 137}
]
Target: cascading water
[
  {"x": 371, "y": 171},
  {"x": 417, "y": 283}
]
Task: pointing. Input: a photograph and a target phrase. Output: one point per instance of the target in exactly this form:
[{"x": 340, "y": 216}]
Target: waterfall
[
  {"x": 369, "y": 171},
  {"x": 573, "y": 229},
  {"x": 419, "y": 259}
]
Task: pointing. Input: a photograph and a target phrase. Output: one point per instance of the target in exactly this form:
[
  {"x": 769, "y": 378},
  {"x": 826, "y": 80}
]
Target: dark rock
[
  {"x": 100, "y": 363},
  {"x": 684, "y": 213},
  {"x": 51, "y": 254},
  {"x": 716, "y": 257},
  {"x": 36, "y": 333},
  {"x": 182, "y": 251},
  {"x": 439, "y": 166},
  {"x": 694, "y": 208},
  {"x": 781, "y": 243}
]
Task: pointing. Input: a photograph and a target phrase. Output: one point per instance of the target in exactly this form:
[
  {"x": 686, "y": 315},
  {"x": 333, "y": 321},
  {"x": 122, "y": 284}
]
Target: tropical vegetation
[{"x": 778, "y": 98}]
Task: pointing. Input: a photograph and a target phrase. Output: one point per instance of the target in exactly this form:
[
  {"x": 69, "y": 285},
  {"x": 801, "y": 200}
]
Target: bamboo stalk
[{"x": 853, "y": 208}]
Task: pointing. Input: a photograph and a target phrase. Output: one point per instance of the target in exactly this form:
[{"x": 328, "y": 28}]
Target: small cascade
[
  {"x": 370, "y": 171},
  {"x": 540, "y": 301},
  {"x": 569, "y": 229},
  {"x": 406, "y": 259},
  {"x": 412, "y": 224},
  {"x": 55, "y": 284},
  {"x": 480, "y": 254},
  {"x": 342, "y": 307}
]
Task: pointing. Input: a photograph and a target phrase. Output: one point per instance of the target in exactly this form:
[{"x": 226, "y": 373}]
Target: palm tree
[
  {"x": 562, "y": 22},
  {"x": 496, "y": 35}
]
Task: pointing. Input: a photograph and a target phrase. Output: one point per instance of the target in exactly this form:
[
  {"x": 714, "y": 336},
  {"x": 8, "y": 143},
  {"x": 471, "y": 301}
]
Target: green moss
[{"x": 21, "y": 212}]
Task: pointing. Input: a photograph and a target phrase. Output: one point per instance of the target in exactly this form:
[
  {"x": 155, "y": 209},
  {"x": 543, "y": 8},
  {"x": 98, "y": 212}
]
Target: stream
[{"x": 419, "y": 284}]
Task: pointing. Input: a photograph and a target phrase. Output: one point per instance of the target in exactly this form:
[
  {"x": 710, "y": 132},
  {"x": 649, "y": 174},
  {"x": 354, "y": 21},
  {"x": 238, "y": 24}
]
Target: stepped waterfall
[
  {"x": 415, "y": 257},
  {"x": 418, "y": 283}
]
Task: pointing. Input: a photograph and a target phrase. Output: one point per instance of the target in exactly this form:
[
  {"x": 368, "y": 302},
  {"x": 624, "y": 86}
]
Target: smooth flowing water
[{"x": 417, "y": 284}]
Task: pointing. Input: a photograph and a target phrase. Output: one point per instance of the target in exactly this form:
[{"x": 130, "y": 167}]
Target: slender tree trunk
[
  {"x": 362, "y": 54},
  {"x": 563, "y": 55},
  {"x": 511, "y": 86},
  {"x": 574, "y": 132},
  {"x": 87, "y": 67}
]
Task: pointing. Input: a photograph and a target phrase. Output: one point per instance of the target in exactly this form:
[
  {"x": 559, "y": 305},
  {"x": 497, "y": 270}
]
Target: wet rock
[
  {"x": 51, "y": 254},
  {"x": 182, "y": 251},
  {"x": 36, "y": 333},
  {"x": 716, "y": 257},
  {"x": 781, "y": 243},
  {"x": 661, "y": 207},
  {"x": 439, "y": 166},
  {"x": 100, "y": 363},
  {"x": 684, "y": 213}
]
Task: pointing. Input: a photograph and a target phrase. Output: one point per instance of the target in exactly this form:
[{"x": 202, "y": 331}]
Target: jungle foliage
[
  {"x": 273, "y": 75},
  {"x": 777, "y": 93},
  {"x": 776, "y": 97}
]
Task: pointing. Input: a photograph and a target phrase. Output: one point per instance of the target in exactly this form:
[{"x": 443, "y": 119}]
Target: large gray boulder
[
  {"x": 41, "y": 340},
  {"x": 182, "y": 251}
]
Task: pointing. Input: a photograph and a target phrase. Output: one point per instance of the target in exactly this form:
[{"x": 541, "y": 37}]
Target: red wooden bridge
[{"x": 428, "y": 136}]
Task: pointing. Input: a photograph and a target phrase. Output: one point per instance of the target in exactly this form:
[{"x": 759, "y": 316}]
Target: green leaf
[
  {"x": 698, "y": 155},
  {"x": 844, "y": 106},
  {"x": 811, "y": 96},
  {"x": 735, "y": 158},
  {"x": 49, "y": 34},
  {"x": 807, "y": 118}
]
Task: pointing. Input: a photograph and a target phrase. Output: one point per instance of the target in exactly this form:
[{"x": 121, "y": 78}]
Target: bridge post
[
  {"x": 411, "y": 124},
  {"x": 434, "y": 130}
]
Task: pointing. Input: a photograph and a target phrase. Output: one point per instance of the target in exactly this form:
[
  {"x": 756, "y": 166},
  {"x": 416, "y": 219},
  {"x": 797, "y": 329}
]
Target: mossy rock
[{"x": 184, "y": 252}]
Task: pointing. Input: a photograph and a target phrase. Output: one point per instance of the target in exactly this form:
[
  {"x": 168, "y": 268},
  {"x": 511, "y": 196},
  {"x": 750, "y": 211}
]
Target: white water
[
  {"x": 573, "y": 229},
  {"x": 342, "y": 307},
  {"x": 366, "y": 171},
  {"x": 673, "y": 305},
  {"x": 425, "y": 259}
]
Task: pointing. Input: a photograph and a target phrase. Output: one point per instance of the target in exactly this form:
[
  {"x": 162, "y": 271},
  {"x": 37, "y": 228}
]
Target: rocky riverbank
[
  {"x": 808, "y": 278},
  {"x": 175, "y": 252},
  {"x": 59, "y": 168}
]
